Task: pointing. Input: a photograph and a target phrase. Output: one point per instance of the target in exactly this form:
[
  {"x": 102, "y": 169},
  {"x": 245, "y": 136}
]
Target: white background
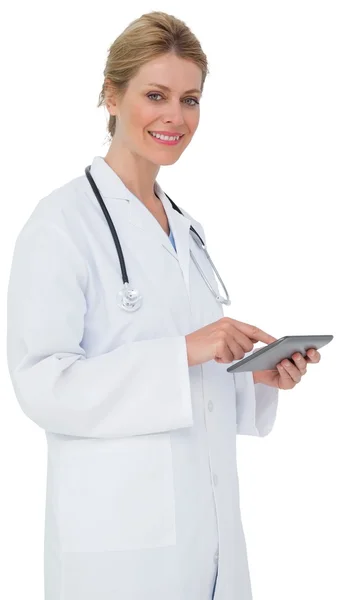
[{"x": 262, "y": 175}]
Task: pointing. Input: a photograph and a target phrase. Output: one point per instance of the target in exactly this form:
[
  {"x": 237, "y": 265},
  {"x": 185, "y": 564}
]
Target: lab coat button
[
  {"x": 216, "y": 557},
  {"x": 210, "y": 406},
  {"x": 215, "y": 479}
]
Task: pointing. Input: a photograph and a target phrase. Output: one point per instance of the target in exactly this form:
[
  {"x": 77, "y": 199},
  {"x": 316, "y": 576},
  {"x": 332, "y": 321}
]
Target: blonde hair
[{"x": 145, "y": 38}]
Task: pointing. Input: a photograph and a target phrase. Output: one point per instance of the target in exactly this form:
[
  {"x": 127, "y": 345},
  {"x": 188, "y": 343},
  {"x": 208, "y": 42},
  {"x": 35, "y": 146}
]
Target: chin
[
  {"x": 162, "y": 162},
  {"x": 170, "y": 161},
  {"x": 167, "y": 158}
]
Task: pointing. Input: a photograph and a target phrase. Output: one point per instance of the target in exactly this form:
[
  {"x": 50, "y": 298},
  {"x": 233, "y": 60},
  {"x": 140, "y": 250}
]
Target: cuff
[{"x": 256, "y": 405}]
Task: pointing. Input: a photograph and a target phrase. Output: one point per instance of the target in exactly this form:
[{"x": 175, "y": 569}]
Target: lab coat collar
[{"x": 112, "y": 187}]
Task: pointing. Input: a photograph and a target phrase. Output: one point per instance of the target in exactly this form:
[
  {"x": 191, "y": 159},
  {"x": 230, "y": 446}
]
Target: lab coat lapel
[{"x": 139, "y": 216}]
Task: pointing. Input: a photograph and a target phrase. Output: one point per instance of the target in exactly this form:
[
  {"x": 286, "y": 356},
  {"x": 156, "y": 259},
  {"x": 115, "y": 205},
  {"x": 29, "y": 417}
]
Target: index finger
[{"x": 255, "y": 333}]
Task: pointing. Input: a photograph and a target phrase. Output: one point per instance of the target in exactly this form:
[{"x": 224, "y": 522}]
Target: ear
[{"x": 110, "y": 96}]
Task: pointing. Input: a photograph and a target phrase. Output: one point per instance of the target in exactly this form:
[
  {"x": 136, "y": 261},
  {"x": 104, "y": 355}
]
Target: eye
[
  {"x": 153, "y": 94},
  {"x": 157, "y": 94},
  {"x": 195, "y": 101}
]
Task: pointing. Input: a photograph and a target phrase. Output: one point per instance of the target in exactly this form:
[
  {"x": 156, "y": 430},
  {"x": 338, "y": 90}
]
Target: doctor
[{"x": 140, "y": 414}]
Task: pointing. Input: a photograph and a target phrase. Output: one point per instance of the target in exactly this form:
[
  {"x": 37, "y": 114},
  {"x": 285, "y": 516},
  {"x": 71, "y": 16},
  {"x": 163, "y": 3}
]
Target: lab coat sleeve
[
  {"x": 141, "y": 387},
  {"x": 256, "y": 404}
]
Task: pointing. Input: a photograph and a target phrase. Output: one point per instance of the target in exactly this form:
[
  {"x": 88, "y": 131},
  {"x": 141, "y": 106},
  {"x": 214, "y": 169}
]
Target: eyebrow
[{"x": 167, "y": 89}]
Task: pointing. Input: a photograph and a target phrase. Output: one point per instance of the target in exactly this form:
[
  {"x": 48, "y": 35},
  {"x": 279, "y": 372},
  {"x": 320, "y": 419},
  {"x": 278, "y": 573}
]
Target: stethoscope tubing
[
  {"x": 110, "y": 224},
  {"x": 200, "y": 243}
]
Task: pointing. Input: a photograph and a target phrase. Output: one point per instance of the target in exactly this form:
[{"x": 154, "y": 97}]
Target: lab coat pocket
[{"x": 116, "y": 494}]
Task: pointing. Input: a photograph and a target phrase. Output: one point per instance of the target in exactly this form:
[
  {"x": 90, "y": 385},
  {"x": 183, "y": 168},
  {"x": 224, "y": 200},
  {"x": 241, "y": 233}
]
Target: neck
[{"x": 137, "y": 174}]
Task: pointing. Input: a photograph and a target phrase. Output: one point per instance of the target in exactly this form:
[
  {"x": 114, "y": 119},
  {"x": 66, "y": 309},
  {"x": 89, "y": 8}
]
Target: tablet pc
[{"x": 271, "y": 354}]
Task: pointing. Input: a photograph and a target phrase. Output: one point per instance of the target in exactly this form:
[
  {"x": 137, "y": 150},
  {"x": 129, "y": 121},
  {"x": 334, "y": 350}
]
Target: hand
[
  {"x": 224, "y": 341},
  {"x": 287, "y": 375}
]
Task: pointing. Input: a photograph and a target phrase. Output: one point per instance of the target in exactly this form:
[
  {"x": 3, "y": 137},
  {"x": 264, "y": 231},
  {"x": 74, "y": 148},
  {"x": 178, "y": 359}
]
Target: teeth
[{"x": 165, "y": 137}]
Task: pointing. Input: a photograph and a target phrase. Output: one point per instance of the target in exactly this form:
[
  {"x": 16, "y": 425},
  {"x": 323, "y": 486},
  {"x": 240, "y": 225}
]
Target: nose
[{"x": 174, "y": 114}]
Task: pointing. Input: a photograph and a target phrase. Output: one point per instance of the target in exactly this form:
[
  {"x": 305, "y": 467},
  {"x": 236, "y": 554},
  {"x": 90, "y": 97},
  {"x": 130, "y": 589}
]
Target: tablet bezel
[{"x": 313, "y": 341}]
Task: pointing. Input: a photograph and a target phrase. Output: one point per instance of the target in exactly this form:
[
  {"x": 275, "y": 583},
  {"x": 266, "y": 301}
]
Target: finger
[
  {"x": 300, "y": 362},
  {"x": 232, "y": 346},
  {"x": 313, "y": 355},
  {"x": 292, "y": 370},
  {"x": 254, "y": 333},
  {"x": 243, "y": 340},
  {"x": 285, "y": 377}
]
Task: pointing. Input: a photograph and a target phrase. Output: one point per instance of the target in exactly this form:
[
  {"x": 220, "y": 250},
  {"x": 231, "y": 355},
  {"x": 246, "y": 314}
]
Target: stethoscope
[{"x": 128, "y": 298}]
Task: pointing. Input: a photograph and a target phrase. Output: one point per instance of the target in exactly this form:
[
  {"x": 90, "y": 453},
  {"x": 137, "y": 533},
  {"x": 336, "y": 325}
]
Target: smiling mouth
[{"x": 166, "y": 141}]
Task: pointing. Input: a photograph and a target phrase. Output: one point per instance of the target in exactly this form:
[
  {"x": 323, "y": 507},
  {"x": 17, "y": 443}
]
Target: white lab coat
[{"x": 142, "y": 497}]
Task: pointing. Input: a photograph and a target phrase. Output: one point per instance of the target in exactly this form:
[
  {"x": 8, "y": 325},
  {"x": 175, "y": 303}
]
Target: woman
[{"x": 139, "y": 412}]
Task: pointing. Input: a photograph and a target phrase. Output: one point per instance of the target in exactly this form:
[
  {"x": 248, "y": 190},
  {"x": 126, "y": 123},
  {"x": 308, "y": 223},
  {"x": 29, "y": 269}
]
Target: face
[{"x": 146, "y": 106}]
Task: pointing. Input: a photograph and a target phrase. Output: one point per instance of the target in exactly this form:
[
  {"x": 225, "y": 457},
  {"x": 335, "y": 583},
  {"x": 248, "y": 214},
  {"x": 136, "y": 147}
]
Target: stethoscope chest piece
[{"x": 129, "y": 299}]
